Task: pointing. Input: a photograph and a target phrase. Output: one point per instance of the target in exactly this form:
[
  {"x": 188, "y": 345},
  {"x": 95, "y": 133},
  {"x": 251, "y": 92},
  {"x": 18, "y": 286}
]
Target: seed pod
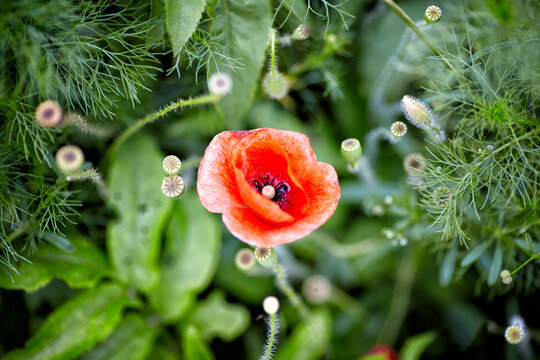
[
  {"x": 244, "y": 259},
  {"x": 172, "y": 165},
  {"x": 49, "y": 114},
  {"x": 414, "y": 164},
  {"x": 220, "y": 84},
  {"x": 69, "y": 159},
  {"x": 301, "y": 32},
  {"x": 398, "y": 129},
  {"x": 266, "y": 256},
  {"x": 433, "y": 14},
  {"x": 351, "y": 150},
  {"x": 172, "y": 186}
]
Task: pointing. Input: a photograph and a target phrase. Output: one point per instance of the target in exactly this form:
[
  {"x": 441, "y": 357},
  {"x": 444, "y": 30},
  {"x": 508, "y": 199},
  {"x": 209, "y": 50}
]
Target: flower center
[
  {"x": 268, "y": 192},
  {"x": 272, "y": 188}
]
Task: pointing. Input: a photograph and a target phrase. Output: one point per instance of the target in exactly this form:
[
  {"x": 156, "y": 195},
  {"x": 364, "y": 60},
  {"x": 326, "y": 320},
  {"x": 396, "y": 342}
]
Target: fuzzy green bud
[
  {"x": 271, "y": 305},
  {"x": 266, "y": 256},
  {"x": 351, "y": 150},
  {"x": 275, "y": 84},
  {"x": 433, "y": 14}
]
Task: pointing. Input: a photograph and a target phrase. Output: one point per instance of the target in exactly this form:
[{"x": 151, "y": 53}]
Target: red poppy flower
[
  {"x": 386, "y": 352},
  {"x": 268, "y": 185}
]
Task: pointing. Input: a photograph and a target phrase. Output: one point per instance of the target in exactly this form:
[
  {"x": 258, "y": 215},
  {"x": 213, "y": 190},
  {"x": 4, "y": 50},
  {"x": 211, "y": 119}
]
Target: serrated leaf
[
  {"x": 190, "y": 257},
  {"x": 194, "y": 346},
  {"x": 215, "y": 317},
  {"x": 245, "y": 25},
  {"x": 77, "y": 325},
  {"x": 447, "y": 267},
  {"x": 81, "y": 268},
  {"x": 416, "y": 345},
  {"x": 476, "y": 253},
  {"x": 133, "y": 240},
  {"x": 496, "y": 264},
  {"x": 309, "y": 339},
  {"x": 182, "y": 19},
  {"x": 133, "y": 339}
]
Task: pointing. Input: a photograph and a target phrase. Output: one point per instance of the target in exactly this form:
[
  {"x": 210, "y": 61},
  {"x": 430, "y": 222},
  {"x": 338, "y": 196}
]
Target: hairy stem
[
  {"x": 272, "y": 335},
  {"x": 410, "y": 23},
  {"x": 206, "y": 99},
  {"x": 287, "y": 289},
  {"x": 273, "y": 52}
]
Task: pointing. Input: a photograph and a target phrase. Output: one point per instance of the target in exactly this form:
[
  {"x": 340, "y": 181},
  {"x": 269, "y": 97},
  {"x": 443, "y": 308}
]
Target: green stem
[
  {"x": 290, "y": 293},
  {"x": 273, "y": 52},
  {"x": 270, "y": 344},
  {"x": 401, "y": 297},
  {"x": 517, "y": 139},
  {"x": 410, "y": 23},
  {"x": 536, "y": 256},
  {"x": 206, "y": 99}
]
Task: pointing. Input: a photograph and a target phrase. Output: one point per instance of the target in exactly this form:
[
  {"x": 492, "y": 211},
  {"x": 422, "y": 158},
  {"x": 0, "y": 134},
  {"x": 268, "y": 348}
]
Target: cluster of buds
[
  {"x": 506, "y": 277},
  {"x": 173, "y": 184}
]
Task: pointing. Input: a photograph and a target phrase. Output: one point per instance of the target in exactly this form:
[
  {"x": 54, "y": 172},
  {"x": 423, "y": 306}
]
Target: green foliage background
[{"x": 119, "y": 271}]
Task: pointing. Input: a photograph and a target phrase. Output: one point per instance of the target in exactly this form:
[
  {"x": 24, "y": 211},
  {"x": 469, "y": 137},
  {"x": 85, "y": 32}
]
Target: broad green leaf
[
  {"x": 182, "y": 19},
  {"x": 157, "y": 11},
  {"x": 77, "y": 325},
  {"x": 476, "y": 253},
  {"x": 81, "y": 268},
  {"x": 135, "y": 192},
  {"x": 133, "y": 339},
  {"x": 496, "y": 264},
  {"x": 214, "y": 316},
  {"x": 448, "y": 265},
  {"x": 309, "y": 339},
  {"x": 194, "y": 346},
  {"x": 464, "y": 322},
  {"x": 245, "y": 25},
  {"x": 190, "y": 257},
  {"x": 416, "y": 345}
]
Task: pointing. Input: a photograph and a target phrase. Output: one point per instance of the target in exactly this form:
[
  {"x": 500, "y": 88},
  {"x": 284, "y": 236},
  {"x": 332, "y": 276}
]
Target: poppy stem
[
  {"x": 287, "y": 289},
  {"x": 410, "y": 23},
  {"x": 206, "y": 99},
  {"x": 273, "y": 330}
]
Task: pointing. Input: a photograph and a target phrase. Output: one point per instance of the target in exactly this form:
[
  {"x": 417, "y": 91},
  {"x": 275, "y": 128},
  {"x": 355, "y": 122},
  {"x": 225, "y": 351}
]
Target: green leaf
[
  {"x": 190, "y": 257},
  {"x": 133, "y": 339},
  {"x": 214, "y": 316},
  {"x": 77, "y": 325},
  {"x": 309, "y": 339},
  {"x": 245, "y": 25},
  {"x": 464, "y": 322},
  {"x": 416, "y": 345},
  {"x": 496, "y": 264},
  {"x": 476, "y": 253},
  {"x": 134, "y": 239},
  {"x": 182, "y": 19},
  {"x": 448, "y": 265},
  {"x": 81, "y": 268},
  {"x": 194, "y": 346},
  {"x": 58, "y": 240},
  {"x": 156, "y": 34}
]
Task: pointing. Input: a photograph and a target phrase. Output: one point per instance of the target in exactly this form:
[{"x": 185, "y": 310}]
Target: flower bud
[
  {"x": 49, "y": 114},
  {"x": 220, "y": 84},
  {"x": 172, "y": 186},
  {"x": 266, "y": 256},
  {"x": 433, "y": 14},
  {"x": 69, "y": 159},
  {"x": 442, "y": 196},
  {"x": 172, "y": 165},
  {"x": 351, "y": 150},
  {"x": 398, "y": 129},
  {"x": 244, "y": 259},
  {"x": 271, "y": 305},
  {"x": 275, "y": 85},
  {"x": 416, "y": 112},
  {"x": 301, "y": 32}
]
